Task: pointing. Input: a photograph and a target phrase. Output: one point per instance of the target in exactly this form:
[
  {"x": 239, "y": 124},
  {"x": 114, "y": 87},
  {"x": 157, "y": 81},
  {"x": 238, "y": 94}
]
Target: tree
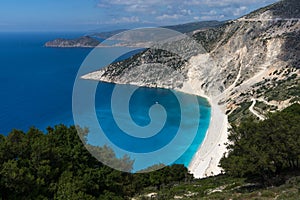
[
  {"x": 264, "y": 149},
  {"x": 57, "y": 165}
]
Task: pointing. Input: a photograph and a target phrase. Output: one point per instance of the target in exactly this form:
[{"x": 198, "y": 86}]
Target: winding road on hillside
[{"x": 261, "y": 117}]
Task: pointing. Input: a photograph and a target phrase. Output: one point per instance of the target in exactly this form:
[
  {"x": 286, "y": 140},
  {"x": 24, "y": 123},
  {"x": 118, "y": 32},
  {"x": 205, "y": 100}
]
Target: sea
[{"x": 36, "y": 90}]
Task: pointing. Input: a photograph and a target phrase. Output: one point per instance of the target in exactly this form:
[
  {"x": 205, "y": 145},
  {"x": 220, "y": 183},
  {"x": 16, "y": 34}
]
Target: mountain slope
[
  {"x": 247, "y": 58},
  {"x": 247, "y": 67},
  {"x": 90, "y": 41}
]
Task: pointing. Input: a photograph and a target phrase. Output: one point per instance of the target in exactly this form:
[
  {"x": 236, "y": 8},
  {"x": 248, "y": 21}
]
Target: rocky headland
[{"x": 83, "y": 42}]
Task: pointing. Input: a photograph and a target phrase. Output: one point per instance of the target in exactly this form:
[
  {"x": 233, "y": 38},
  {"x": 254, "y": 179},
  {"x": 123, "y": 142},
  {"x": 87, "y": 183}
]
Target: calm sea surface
[{"x": 36, "y": 86}]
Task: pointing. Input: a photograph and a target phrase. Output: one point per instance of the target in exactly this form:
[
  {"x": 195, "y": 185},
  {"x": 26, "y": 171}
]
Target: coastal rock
[{"x": 84, "y": 42}]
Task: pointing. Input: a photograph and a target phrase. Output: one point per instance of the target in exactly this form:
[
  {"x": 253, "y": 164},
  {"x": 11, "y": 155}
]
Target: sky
[{"x": 88, "y": 15}]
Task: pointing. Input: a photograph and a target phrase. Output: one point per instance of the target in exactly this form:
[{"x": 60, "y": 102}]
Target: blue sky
[{"x": 85, "y": 15}]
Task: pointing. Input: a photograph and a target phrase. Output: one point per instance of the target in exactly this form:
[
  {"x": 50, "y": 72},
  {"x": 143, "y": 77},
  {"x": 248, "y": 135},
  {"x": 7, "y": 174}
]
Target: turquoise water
[
  {"x": 139, "y": 106},
  {"x": 36, "y": 90}
]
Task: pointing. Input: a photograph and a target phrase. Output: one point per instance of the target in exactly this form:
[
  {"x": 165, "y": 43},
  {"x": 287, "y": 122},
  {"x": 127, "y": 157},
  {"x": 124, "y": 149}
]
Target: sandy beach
[{"x": 206, "y": 160}]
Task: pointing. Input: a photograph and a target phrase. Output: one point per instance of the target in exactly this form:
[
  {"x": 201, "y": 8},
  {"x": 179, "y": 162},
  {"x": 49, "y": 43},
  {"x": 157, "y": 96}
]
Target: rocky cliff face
[{"x": 253, "y": 57}]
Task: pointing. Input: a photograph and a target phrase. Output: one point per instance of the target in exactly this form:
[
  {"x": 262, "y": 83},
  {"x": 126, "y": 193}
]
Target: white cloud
[
  {"x": 186, "y": 12},
  {"x": 136, "y": 8},
  {"x": 165, "y": 16},
  {"x": 235, "y": 11},
  {"x": 212, "y": 12},
  {"x": 132, "y": 19},
  {"x": 135, "y": 2},
  {"x": 175, "y": 3},
  {"x": 212, "y": 17},
  {"x": 222, "y": 3},
  {"x": 239, "y": 11},
  {"x": 169, "y": 11}
]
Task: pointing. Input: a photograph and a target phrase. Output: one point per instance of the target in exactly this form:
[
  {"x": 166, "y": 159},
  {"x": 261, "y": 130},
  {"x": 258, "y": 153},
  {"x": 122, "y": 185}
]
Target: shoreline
[{"x": 206, "y": 159}]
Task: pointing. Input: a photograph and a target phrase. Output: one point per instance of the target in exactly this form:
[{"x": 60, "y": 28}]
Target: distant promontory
[
  {"x": 84, "y": 42},
  {"x": 90, "y": 41}
]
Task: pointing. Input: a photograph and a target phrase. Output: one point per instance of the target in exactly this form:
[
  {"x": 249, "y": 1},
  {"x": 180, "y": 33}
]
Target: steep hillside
[
  {"x": 254, "y": 59},
  {"x": 282, "y": 10},
  {"x": 90, "y": 41}
]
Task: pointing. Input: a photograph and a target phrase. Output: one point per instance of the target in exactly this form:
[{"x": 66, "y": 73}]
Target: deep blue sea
[{"x": 36, "y": 85}]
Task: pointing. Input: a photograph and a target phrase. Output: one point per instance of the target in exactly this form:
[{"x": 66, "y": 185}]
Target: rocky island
[{"x": 83, "y": 42}]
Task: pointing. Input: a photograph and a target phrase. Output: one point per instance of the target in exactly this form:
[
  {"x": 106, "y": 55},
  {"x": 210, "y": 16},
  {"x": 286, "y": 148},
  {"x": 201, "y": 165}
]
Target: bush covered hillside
[
  {"x": 56, "y": 165},
  {"x": 262, "y": 163},
  {"x": 267, "y": 148}
]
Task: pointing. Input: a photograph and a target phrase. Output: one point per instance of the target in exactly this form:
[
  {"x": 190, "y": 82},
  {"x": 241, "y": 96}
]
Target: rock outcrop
[{"x": 84, "y": 42}]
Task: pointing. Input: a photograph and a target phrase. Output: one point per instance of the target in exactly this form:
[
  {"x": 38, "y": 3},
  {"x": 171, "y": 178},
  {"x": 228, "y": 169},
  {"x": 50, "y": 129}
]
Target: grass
[
  {"x": 199, "y": 188},
  {"x": 225, "y": 187}
]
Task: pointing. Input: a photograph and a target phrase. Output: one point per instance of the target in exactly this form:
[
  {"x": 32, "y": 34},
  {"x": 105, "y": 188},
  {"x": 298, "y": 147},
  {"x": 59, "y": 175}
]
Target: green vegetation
[
  {"x": 262, "y": 163},
  {"x": 210, "y": 37},
  {"x": 282, "y": 9},
  {"x": 284, "y": 89},
  {"x": 193, "y": 26},
  {"x": 241, "y": 113},
  {"x": 224, "y": 188},
  {"x": 56, "y": 165},
  {"x": 148, "y": 56},
  {"x": 280, "y": 88},
  {"x": 265, "y": 149},
  {"x": 263, "y": 108}
]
